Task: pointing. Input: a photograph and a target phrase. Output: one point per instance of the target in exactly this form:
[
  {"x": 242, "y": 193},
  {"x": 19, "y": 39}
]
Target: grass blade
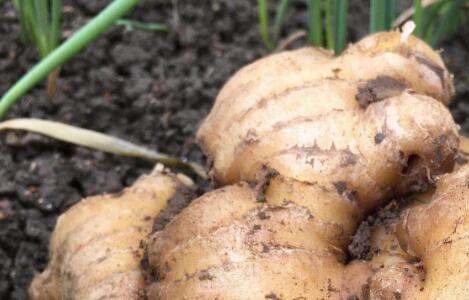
[
  {"x": 448, "y": 22},
  {"x": 279, "y": 17},
  {"x": 391, "y": 12},
  {"x": 96, "y": 140},
  {"x": 264, "y": 23},
  {"x": 41, "y": 13},
  {"x": 314, "y": 23},
  {"x": 56, "y": 12},
  {"x": 20, "y": 11},
  {"x": 329, "y": 25},
  {"x": 27, "y": 13},
  {"x": 418, "y": 18},
  {"x": 377, "y": 16},
  {"x": 340, "y": 15},
  {"x": 431, "y": 19},
  {"x": 132, "y": 25}
]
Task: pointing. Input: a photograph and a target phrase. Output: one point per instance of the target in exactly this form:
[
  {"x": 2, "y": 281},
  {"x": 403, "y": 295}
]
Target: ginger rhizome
[
  {"x": 98, "y": 245},
  {"x": 306, "y": 146},
  {"x": 423, "y": 253},
  {"x": 324, "y": 141}
]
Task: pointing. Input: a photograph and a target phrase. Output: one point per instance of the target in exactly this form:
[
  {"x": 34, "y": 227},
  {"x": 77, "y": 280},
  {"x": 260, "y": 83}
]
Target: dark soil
[{"x": 150, "y": 88}]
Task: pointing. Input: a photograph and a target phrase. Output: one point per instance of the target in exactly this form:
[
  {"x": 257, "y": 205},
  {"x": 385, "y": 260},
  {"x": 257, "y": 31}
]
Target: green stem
[
  {"x": 264, "y": 23},
  {"x": 377, "y": 15},
  {"x": 431, "y": 20},
  {"x": 329, "y": 25},
  {"x": 341, "y": 7},
  {"x": 279, "y": 16},
  {"x": 55, "y": 24},
  {"x": 27, "y": 13},
  {"x": 448, "y": 23},
  {"x": 391, "y": 12},
  {"x": 67, "y": 50},
  {"x": 314, "y": 23},
  {"x": 41, "y": 13},
  {"x": 20, "y": 10},
  {"x": 418, "y": 18}
]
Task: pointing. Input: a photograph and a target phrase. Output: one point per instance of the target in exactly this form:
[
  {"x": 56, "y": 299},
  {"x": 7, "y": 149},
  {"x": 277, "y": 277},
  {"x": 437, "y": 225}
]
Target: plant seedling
[
  {"x": 40, "y": 25},
  {"x": 66, "y": 51},
  {"x": 327, "y": 23}
]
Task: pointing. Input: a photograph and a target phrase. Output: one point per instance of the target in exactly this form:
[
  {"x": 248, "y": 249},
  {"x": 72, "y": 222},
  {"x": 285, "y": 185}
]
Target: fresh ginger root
[
  {"x": 96, "y": 248},
  {"x": 438, "y": 234},
  {"x": 308, "y": 145},
  {"x": 357, "y": 119},
  {"x": 254, "y": 250},
  {"x": 430, "y": 259},
  {"x": 327, "y": 140}
]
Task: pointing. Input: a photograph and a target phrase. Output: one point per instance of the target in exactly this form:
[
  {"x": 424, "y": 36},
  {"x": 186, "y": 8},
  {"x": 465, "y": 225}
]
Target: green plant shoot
[
  {"x": 40, "y": 25},
  {"x": 66, "y": 51}
]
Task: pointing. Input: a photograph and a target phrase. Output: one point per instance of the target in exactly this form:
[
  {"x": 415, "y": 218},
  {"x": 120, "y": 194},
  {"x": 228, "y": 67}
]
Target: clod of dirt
[
  {"x": 360, "y": 248},
  {"x": 178, "y": 202},
  {"x": 378, "y": 89}
]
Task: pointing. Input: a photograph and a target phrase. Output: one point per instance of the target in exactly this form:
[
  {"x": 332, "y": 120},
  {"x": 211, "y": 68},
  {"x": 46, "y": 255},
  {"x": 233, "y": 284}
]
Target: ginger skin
[
  {"x": 430, "y": 245},
  {"x": 96, "y": 248},
  {"x": 326, "y": 141}
]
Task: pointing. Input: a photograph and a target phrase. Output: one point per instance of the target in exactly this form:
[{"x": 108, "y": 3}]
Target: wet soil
[{"x": 149, "y": 88}]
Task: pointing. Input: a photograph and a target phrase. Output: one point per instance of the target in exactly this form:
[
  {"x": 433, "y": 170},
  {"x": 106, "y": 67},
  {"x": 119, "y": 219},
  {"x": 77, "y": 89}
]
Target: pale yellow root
[
  {"x": 254, "y": 250},
  {"x": 279, "y": 248},
  {"x": 98, "y": 244},
  {"x": 358, "y": 118},
  {"x": 326, "y": 140},
  {"x": 436, "y": 235}
]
